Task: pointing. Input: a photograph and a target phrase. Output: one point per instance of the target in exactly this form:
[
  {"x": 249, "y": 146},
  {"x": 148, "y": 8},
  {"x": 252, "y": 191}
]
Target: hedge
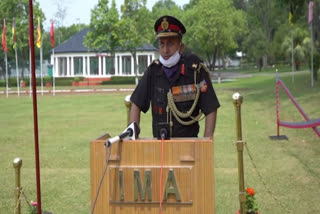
[
  {"x": 61, "y": 81},
  {"x": 120, "y": 81},
  {"x": 67, "y": 81}
]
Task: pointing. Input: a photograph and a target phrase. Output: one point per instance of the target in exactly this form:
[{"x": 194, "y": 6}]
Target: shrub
[
  {"x": 64, "y": 81},
  {"x": 2, "y": 83},
  {"x": 120, "y": 81},
  {"x": 47, "y": 79},
  {"x": 77, "y": 79}
]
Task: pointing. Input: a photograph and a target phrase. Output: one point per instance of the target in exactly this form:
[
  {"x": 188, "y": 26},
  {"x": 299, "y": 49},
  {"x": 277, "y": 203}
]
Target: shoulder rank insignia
[
  {"x": 203, "y": 86},
  {"x": 156, "y": 61},
  {"x": 194, "y": 65}
]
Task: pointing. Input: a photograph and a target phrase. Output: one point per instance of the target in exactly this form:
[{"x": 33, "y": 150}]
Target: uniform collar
[{"x": 160, "y": 72}]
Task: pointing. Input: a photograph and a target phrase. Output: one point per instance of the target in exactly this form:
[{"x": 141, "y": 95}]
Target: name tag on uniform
[{"x": 184, "y": 93}]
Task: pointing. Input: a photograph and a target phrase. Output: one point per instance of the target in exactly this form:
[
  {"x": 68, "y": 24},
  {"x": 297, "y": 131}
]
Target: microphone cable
[{"x": 101, "y": 180}]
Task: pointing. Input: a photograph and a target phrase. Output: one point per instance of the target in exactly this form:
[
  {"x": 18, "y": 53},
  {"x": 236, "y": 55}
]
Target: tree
[
  {"x": 134, "y": 28},
  {"x": 240, "y": 4},
  {"x": 264, "y": 18},
  {"x": 60, "y": 15},
  {"x": 212, "y": 27},
  {"x": 256, "y": 46},
  {"x": 18, "y": 9},
  {"x": 296, "y": 7},
  {"x": 102, "y": 33},
  {"x": 191, "y": 4},
  {"x": 301, "y": 46},
  {"x": 165, "y": 7}
]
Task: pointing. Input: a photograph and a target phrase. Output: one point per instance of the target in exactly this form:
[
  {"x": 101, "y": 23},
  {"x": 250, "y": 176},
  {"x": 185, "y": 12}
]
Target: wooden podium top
[
  {"x": 105, "y": 136},
  {"x": 132, "y": 181}
]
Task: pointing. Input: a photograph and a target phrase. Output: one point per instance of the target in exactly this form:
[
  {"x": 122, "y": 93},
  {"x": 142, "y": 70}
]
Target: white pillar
[
  {"x": 104, "y": 65},
  {"x": 132, "y": 65},
  {"x": 51, "y": 59},
  {"x": 72, "y": 66},
  {"x": 84, "y": 66},
  {"x": 149, "y": 56},
  {"x": 99, "y": 66},
  {"x": 56, "y": 65},
  {"x": 88, "y": 65},
  {"x": 68, "y": 66},
  {"x": 120, "y": 66},
  {"x": 116, "y": 64}
]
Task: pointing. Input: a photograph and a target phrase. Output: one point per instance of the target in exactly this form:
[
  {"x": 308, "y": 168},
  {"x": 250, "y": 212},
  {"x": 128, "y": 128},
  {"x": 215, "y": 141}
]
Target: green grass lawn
[{"x": 67, "y": 123}]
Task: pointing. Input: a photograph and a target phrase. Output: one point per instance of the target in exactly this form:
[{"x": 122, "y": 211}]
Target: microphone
[
  {"x": 163, "y": 131},
  {"x": 131, "y": 133}
]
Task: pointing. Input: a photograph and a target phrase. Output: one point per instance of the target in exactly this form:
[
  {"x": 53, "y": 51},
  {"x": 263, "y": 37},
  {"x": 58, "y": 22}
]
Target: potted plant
[
  {"x": 251, "y": 204},
  {"x": 76, "y": 81},
  {"x": 47, "y": 81},
  {"x": 33, "y": 207},
  {"x": 22, "y": 84}
]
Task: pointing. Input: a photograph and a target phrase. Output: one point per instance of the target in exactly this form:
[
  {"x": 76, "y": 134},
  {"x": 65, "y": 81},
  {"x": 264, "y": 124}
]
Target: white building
[{"x": 72, "y": 58}]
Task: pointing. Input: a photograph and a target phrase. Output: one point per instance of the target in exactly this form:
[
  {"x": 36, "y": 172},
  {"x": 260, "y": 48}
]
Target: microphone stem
[{"x": 125, "y": 134}]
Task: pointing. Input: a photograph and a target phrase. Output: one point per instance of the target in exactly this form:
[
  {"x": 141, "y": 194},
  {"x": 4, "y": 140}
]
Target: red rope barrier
[
  {"x": 308, "y": 124},
  {"x": 301, "y": 125}
]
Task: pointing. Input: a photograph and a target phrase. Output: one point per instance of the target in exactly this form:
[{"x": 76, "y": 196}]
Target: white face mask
[{"x": 172, "y": 61}]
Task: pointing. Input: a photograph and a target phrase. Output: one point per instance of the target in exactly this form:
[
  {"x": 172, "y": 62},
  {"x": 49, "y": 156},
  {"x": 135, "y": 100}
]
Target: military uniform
[
  {"x": 178, "y": 94},
  {"x": 154, "y": 87}
]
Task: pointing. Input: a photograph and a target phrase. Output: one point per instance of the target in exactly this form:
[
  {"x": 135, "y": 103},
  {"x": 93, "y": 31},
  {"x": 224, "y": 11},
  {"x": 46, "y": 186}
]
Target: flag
[
  {"x": 310, "y": 16},
  {"x": 38, "y": 34},
  {"x": 4, "y": 42},
  {"x": 290, "y": 19},
  {"x": 52, "y": 34},
  {"x": 14, "y": 36}
]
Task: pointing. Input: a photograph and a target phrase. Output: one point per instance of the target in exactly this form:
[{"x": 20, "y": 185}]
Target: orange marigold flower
[{"x": 250, "y": 191}]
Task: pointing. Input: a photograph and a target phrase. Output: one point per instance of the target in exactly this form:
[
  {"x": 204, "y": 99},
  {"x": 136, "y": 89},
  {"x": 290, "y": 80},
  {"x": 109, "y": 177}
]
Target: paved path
[
  {"x": 229, "y": 75},
  {"x": 69, "y": 91},
  {"x": 225, "y": 76}
]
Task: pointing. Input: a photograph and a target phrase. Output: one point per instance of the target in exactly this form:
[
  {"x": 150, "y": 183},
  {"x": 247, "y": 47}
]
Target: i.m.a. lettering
[{"x": 142, "y": 189}]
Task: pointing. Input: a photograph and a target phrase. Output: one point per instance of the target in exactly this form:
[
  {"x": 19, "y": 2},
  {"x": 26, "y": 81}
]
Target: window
[
  {"x": 62, "y": 62},
  {"x": 94, "y": 66},
  {"x": 126, "y": 65},
  {"x": 110, "y": 69},
  {"x": 118, "y": 64},
  {"x": 78, "y": 65},
  {"x": 142, "y": 63}
]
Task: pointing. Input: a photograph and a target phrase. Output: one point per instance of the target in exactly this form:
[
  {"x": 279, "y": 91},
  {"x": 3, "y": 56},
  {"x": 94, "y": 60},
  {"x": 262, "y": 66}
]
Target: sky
[{"x": 78, "y": 11}]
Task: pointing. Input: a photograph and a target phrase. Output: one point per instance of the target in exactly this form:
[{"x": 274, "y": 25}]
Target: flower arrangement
[
  {"x": 33, "y": 207},
  {"x": 251, "y": 205}
]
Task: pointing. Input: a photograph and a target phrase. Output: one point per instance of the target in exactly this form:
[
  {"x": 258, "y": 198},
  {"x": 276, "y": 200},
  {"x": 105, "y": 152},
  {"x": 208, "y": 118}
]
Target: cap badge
[{"x": 164, "y": 24}]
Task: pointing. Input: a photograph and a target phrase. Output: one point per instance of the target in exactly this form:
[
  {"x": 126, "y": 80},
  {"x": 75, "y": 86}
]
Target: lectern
[{"x": 132, "y": 181}]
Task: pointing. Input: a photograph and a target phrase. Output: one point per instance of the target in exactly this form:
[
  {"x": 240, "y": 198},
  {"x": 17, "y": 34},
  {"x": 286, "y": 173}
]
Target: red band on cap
[{"x": 171, "y": 27}]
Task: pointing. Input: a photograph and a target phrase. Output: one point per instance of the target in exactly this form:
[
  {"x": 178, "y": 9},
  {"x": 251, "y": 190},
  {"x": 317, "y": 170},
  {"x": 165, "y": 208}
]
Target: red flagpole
[{"x": 35, "y": 110}]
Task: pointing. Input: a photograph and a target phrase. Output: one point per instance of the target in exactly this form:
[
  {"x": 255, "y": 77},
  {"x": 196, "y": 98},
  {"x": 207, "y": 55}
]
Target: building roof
[{"x": 75, "y": 45}]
